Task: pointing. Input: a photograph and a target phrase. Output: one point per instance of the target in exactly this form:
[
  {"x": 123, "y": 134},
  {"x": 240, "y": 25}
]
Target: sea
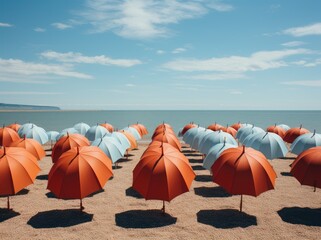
[{"x": 59, "y": 120}]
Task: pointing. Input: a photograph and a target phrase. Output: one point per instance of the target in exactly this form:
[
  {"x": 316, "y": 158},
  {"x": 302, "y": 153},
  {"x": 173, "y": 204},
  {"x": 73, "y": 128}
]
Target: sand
[{"x": 291, "y": 211}]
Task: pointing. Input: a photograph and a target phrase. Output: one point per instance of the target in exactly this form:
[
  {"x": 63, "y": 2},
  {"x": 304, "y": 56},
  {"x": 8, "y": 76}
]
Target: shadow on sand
[
  {"x": 304, "y": 216},
  {"x": 131, "y": 192},
  {"x": 226, "y": 218},
  {"x": 193, "y": 160},
  {"x": 52, "y": 195},
  {"x": 198, "y": 167},
  {"x": 203, "y": 178},
  {"x": 211, "y": 192},
  {"x": 6, "y": 214},
  {"x": 42, "y": 177},
  {"x": 144, "y": 219},
  {"x": 124, "y": 160},
  {"x": 286, "y": 174},
  {"x": 59, "y": 218}
]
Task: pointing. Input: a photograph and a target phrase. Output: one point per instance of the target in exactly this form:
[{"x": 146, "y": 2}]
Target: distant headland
[{"x": 17, "y": 107}]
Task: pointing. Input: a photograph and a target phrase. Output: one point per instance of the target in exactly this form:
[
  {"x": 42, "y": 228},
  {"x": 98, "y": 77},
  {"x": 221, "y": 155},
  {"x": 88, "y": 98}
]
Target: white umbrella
[
  {"x": 215, "y": 138},
  {"x": 133, "y": 131},
  {"x": 66, "y": 131},
  {"x": 305, "y": 141},
  {"x": 95, "y": 132},
  {"x": 243, "y": 132},
  {"x": 82, "y": 128}
]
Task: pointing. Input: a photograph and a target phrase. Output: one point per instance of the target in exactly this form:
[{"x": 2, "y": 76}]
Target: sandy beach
[{"x": 291, "y": 211}]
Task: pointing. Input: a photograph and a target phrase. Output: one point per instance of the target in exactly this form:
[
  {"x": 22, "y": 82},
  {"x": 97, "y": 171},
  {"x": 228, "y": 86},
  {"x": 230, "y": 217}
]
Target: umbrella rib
[{"x": 12, "y": 185}]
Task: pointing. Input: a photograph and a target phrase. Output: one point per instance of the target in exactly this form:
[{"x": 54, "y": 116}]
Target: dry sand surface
[{"x": 291, "y": 211}]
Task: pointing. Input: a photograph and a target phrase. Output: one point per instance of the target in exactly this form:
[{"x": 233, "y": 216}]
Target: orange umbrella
[
  {"x": 307, "y": 167},
  {"x": 31, "y": 145},
  {"x": 229, "y": 130},
  {"x": 162, "y": 173},
  {"x": 79, "y": 172},
  {"x": 67, "y": 142},
  {"x": 7, "y": 136},
  {"x": 18, "y": 169},
  {"x": 168, "y": 137},
  {"x": 131, "y": 139},
  {"x": 163, "y": 128},
  {"x": 14, "y": 126},
  {"x": 163, "y": 125},
  {"x": 187, "y": 127},
  {"x": 293, "y": 133},
  {"x": 276, "y": 129},
  {"x": 243, "y": 171},
  {"x": 140, "y": 128},
  {"x": 108, "y": 126},
  {"x": 215, "y": 127},
  {"x": 236, "y": 126}
]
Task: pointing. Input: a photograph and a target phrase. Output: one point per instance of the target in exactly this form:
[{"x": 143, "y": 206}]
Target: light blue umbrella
[
  {"x": 66, "y": 131},
  {"x": 284, "y": 126},
  {"x": 82, "y": 128},
  {"x": 198, "y": 138},
  {"x": 305, "y": 142},
  {"x": 243, "y": 132},
  {"x": 121, "y": 139},
  {"x": 95, "y": 132},
  {"x": 52, "y": 135},
  {"x": 270, "y": 144},
  {"x": 215, "y": 138},
  {"x": 24, "y": 128},
  {"x": 191, "y": 133},
  {"x": 214, "y": 153},
  {"x": 111, "y": 147},
  {"x": 37, "y": 133},
  {"x": 133, "y": 131}
]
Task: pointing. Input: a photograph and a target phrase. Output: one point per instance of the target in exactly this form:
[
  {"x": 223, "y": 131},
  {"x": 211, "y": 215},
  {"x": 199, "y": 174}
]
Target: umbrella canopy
[
  {"x": 25, "y": 127},
  {"x": 67, "y": 142},
  {"x": 7, "y": 136},
  {"x": 121, "y": 138},
  {"x": 108, "y": 126},
  {"x": 14, "y": 126},
  {"x": 18, "y": 169},
  {"x": 243, "y": 132},
  {"x": 79, "y": 172},
  {"x": 52, "y": 135},
  {"x": 214, "y": 153},
  {"x": 81, "y": 128},
  {"x": 215, "y": 127},
  {"x": 130, "y": 137},
  {"x": 190, "y": 134},
  {"x": 31, "y": 145},
  {"x": 162, "y": 173},
  {"x": 163, "y": 128},
  {"x": 198, "y": 138},
  {"x": 187, "y": 127},
  {"x": 270, "y": 144},
  {"x": 133, "y": 131},
  {"x": 243, "y": 171},
  {"x": 306, "y": 168},
  {"x": 215, "y": 138},
  {"x": 37, "y": 133},
  {"x": 284, "y": 126},
  {"x": 276, "y": 129},
  {"x": 305, "y": 141},
  {"x": 168, "y": 137},
  {"x": 229, "y": 130},
  {"x": 140, "y": 128},
  {"x": 65, "y": 132},
  {"x": 293, "y": 133},
  {"x": 111, "y": 147},
  {"x": 236, "y": 126},
  {"x": 95, "y": 132}
]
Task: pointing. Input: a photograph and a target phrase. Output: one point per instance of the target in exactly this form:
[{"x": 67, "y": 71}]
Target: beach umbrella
[
  {"x": 163, "y": 125},
  {"x": 236, "y": 126},
  {"x": 65, "y": 132},
  {"x": 81, "y": 128},
  {"x": 243, "y": 171},
  {"x": 14, "y": 126},
  {"x": 305, "y": 141},
  {"x": 7, "y": 136},
  {"x": 306, "y": 168},
  {"x": 95, "y": 132},
  {"x": 108, "y": 126},
  {"x": 25, "y": 127},
  {"x": 31, "y": 145},
  {"x": 215, "y": 127},
  {"x": 276, "y": 129},
  {"x": 214, "y": 153},
  {"x": 163, "y": 128},
  {"x": 270, "y": 144},
  {"x": 130, "y": 137},
  {"x": 37, "y": 133},
  {"x": 293, "y": 133},
  {"x": 52, "y": 136},
  {"x": 79, "y": 172},
  {"x": 140, "y": 128},
  {"x": 229, "y": 130},
  {"x": 215, "y": 138},
  {"x": 180, "y": 132},
  {"x": 133, "y": 131},
  {"x": 198, "y": 138},
  {"x": 284, "y": 126},
  {"x": 190, "y": 134},
  {"x": 121, "y": 138},
  {"x": 169, "y": 138},
  {"x": 187, "y": 127},
  {"x": 67, "y": 142},
  {"x": 162, "y": 173},
  {"x": 18, "y": 169},
  {"x": 243, "y": 132},
  {"x": 111, "y": 147}
]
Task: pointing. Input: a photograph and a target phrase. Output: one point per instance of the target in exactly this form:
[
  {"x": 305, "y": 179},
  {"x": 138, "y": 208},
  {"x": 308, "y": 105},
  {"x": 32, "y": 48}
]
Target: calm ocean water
[{"x": 58, "y": 120}]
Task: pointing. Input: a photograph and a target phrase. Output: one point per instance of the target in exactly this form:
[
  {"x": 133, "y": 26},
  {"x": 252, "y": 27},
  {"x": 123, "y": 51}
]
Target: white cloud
[
  {"x": 313, "y": 29},
  {"x": 38, "y": 29},
  {"x": 308, "y": 83},
  {"x": 313, "y": 64},
  {"x": 15, "y": 70},
  {"x": 216, "y": 76},
  {"x": 71, "y": 57},
  {"x": 262, "y": 60},
  {"x": 178, "y": 50},
  {"x": 29, "y": 93},
  {"x": 160, "y": 52},
  {"x": 293, "y": 44},
  {"x": 142, "y": 19},
  {"x": 235, "y": 92},
  {"x": 61, "y": 26},
  {"x": 5, "y": 24},
  {"x": 130, "y": 85}
]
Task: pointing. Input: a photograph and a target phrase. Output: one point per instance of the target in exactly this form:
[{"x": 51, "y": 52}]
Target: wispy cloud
[
  {"x": 5, "y": 24},
  {"x": 29, "y": 93},
  {"x": 235, "y": 92},
  {"x": 308, "y": 83},
  {"x": 262, "y": 60},
  {"x": 160, "y": 52},
  {"x": 215, "y": 76},
  {"x": 293, "y": 44},
  {"x": 130, "y": 85},
  {"x": 313, "y": 29},
  {"x": 178, "y": 50},
  {"x": 71, "y": 57},
  {"x": 38, "y": 29},
  {"x": 61, "y": 26},
  {"x": 15, "y": 70},
  {"x": 141, "y": 19}
]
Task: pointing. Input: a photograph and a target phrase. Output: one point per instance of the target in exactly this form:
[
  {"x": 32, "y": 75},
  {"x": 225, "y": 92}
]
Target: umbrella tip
[
  {"x": 300, "y": 126},
  {"x": 243, "y": 149}
]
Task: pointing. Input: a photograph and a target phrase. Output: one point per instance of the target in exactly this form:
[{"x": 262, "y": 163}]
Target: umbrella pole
[
  {"x": 127, "y": 154},
  {"x": 81, "y": 207},
  {"x": 8, "y": 203},
  {"x": 241, "y": 203},
  {"x": 163, "y": 209}
]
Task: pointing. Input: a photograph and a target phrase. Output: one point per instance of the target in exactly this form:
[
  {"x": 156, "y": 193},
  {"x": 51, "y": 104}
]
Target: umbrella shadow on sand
[
  {"x": 203, "y": 178},
  {"x": 211, "y": 192},
  {"x": 286, "y": 174},
  {"x": 144, "y": 219},
  {"x": 59, "y": 218},
  {"x": 42, "y": 177},
  {"x": 6, "y": 214},
  {"x": 198, "y": 167},
  {"x": 193, "y": 160},
  {"x": 303, "y": 216},
  {"x": 51, "y": 195},
  {"x": 131, "y": 192},
  {"x": 226, "y": 218}
]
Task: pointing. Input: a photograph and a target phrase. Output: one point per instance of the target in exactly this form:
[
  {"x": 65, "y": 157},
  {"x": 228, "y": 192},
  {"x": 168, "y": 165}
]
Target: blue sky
[{"x": 148, "y": 54}]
